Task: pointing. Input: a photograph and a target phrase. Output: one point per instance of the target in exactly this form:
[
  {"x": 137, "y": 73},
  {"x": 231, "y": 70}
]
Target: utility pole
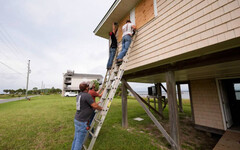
[
  {"x": 42, "y": 89},
  {"x": 28, "y": 72}
]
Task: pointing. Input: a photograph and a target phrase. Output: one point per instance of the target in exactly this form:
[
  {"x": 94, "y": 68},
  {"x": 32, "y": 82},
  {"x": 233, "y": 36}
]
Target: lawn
[
  {"x": 46, "y": 122},
  {"x": 7, "y": 96}
]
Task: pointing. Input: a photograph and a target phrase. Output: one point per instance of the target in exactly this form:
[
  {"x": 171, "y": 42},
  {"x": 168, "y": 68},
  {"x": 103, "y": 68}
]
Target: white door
[{"x": 226, "y": 107}]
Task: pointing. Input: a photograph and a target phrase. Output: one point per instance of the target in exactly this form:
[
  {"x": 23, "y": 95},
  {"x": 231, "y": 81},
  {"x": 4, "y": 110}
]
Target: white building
[{"x": 72, "y": 80}]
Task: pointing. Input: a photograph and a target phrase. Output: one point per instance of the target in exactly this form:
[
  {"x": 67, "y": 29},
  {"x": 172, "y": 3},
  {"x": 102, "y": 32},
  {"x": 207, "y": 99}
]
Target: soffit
[
  {"x": 116, "y": 13},
  {"x": 222, "y": 70}
]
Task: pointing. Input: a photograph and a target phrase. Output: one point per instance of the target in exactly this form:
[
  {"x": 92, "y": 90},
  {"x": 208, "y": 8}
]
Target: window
[
  {"x": 155, "y": 7},
  {"x": 237, "y": 90},
  {"x": 132, "y": 16}
]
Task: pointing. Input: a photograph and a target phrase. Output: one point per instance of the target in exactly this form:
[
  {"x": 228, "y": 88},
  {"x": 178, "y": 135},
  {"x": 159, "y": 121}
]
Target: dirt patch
[
  {"x": 191, "y": 138},
  {"x": 57, "y": 129}
]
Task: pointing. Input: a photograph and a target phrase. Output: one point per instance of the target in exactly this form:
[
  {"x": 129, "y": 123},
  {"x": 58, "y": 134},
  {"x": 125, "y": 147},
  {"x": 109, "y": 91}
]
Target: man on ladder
[
  {"x": 85, "y": 106},
  {"x": 128, "y": 30},
  {"x": 112, "y": 82}
]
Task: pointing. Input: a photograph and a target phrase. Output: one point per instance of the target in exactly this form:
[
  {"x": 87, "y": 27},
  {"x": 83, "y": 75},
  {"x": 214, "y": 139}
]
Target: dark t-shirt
[
  {"x": 83, "y": 105},
  {"x": 114, "y": 40}
]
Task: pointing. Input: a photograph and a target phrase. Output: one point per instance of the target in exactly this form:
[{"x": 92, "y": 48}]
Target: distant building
[{"x": 72, "y": 80}]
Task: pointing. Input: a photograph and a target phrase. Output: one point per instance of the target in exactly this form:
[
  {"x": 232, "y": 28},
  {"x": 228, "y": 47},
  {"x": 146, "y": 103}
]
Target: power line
[
  {"x": 9, "y": 42},
  {"x": 12, "y": 41},
  {"x": 16, "y": 72},
  {"x": 10, "y": 68}
]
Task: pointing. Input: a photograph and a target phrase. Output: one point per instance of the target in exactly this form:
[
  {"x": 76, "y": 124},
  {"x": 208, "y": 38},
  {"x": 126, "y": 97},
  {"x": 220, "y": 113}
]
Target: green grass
[
  {"x": 46, "y": 122},
  {"x": 4, "y": 96}
]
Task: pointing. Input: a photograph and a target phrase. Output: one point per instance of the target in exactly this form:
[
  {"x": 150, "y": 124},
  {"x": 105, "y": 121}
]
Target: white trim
[
  {"x": 220, "y": 98},
  {"x": 115, "y": 4},
  {"x": 132, "y": 16},
  {"x": 155, "y": 7},
  {"x": 221, "y": 105}
]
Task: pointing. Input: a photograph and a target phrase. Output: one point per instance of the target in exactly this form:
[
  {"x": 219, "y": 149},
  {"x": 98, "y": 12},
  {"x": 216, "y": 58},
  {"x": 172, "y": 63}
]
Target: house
[
  {"x": 190, "y": 41},
  {"x": 71, "y": 80}
]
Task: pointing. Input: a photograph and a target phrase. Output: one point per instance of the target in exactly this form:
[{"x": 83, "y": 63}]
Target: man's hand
[{"x": 96, "y": 106}]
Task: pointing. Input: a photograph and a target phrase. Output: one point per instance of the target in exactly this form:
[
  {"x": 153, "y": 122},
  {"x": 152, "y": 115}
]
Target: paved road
[{"x": 14, "y": 99}]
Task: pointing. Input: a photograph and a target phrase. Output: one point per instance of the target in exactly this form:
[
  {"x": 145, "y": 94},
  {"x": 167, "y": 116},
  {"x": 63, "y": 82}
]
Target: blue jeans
[
  {"x": 91, "y": 118},
  {"x": 80, "y": 133},
  {"x": 126, "y": 41},
  {"x": 111, "y": 57}
]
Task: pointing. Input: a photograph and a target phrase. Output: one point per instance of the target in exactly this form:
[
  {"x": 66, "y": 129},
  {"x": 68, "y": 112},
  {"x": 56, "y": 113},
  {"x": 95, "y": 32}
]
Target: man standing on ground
[
  {"x": 92, "y": 91},
  {"x": 127, "y": 30},
  {"x": 94, "y": 94},
  {"x": 85, "y": 107}
]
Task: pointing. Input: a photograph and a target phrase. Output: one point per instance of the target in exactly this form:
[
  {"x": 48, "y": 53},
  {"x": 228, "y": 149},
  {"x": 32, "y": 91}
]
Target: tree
[
  {"x": 35, "y": 90},
  {"x": 58, "y": 91},
  {"x": 19, "y": 91},
  {"x": 119, "y": 90},
  {"x": 30, "y": 91},
  {"x": 6, "y": 91},
  {"x": 52, "y": 90},
  {"x": 12, "y": 91},
  {"x": 96, "y": 84}
]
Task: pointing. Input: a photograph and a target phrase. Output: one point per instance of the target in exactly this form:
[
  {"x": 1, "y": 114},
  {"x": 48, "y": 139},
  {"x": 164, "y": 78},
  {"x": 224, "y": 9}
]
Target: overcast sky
[{"x": 56, "y": 35}]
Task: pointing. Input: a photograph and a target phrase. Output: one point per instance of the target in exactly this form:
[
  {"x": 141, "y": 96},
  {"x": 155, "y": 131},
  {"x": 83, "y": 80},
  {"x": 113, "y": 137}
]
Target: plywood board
[
  {"x": 121, "y": 24},
  {"x": 144, "y": 12},
  {"x": 230, "y": 140}
]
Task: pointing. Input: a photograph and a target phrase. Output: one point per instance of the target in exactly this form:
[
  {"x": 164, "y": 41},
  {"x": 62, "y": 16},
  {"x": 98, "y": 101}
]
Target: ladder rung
[
  {"x": 90, "y": 132},
  {"x": 84, "y": 147},
  {"x": 98, "y": 120}
]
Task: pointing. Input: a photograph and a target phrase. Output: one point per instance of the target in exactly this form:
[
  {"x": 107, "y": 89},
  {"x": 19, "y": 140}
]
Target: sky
[{"x": 56, "y": 36}]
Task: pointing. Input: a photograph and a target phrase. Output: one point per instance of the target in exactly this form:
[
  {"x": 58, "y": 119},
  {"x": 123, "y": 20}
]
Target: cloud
[{"x": 55, "y": 35}]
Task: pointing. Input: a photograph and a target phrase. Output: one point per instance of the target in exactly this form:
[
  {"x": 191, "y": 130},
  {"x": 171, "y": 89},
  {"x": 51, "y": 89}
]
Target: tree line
[{"x": 35, "y": 90}]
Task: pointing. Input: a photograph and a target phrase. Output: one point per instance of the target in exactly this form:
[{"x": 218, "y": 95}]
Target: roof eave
[{"x": 114, "y": 5}]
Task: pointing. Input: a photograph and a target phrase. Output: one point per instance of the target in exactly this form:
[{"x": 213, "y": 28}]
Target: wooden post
[
  {"x": 179, "y": 97},
  {"x": 159, "y": 96},
  {"x": 148, "y": 102},
  {"x": 124, "y": 106},
  {"x": 190, "y": 97},
  {"x": 173, "y": 111},
  {"x": 155, "y": 121},
  {"x": 154, "y": 98}
]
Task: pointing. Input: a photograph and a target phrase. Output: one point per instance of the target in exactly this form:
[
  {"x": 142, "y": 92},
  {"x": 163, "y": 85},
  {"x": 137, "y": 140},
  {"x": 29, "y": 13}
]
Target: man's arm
[
  {"x": 133, "y": 27},
  {"x": 96, "y": 106},
  {"x": 113, "y": 28},
  {"x": 100, "y": 94},
  {"x": 96, "y": 94}
]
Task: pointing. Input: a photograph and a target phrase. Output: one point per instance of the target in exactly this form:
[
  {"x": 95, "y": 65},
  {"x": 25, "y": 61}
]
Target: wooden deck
[{"x": 229, "y": 141}]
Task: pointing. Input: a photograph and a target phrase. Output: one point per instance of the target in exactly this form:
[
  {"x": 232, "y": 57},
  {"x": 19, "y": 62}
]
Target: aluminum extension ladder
[{"x": 112, "y": 80}]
